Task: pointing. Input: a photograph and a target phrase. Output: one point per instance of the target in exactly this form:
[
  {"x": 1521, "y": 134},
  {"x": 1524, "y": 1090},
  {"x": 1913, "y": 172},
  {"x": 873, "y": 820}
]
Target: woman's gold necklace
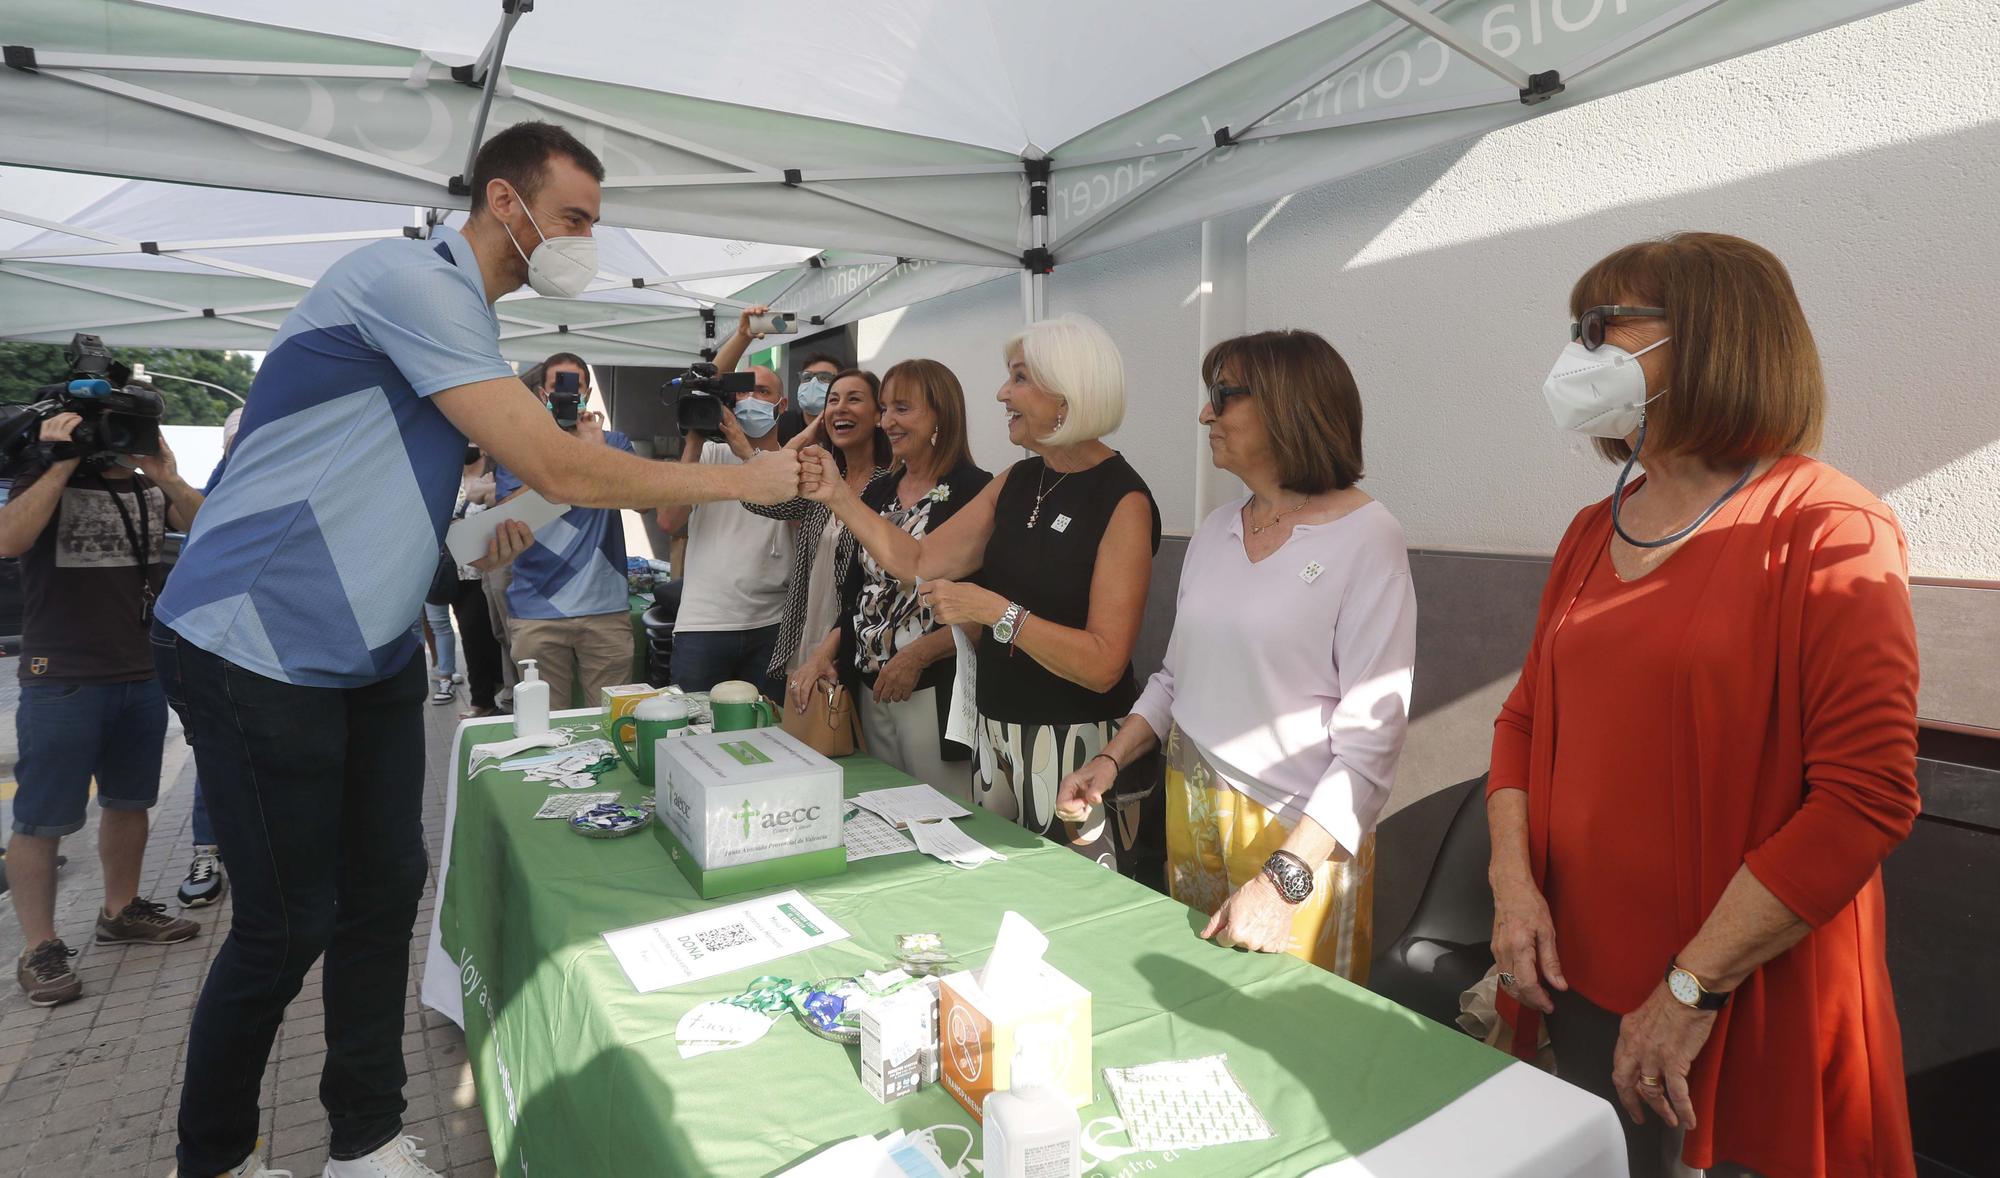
[{"x": 1260, "y": 529}]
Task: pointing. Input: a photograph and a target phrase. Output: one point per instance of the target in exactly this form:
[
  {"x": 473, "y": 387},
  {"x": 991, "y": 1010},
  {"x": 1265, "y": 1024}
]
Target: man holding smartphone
[{"x": 567, "y": 604}]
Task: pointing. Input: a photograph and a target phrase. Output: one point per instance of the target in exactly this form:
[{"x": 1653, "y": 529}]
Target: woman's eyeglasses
[
  {"x": 1219, "y": 394},
  {"x": 1588, "y": 330}
]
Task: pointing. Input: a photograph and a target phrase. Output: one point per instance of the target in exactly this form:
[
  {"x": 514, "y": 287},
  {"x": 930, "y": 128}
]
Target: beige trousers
[{"x": 600, "y": 646}]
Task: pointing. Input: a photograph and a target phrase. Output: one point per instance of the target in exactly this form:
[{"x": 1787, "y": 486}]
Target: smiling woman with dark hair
[
  {"x": 822, "y": 547},
  {"x": 1712, "y": 745}
]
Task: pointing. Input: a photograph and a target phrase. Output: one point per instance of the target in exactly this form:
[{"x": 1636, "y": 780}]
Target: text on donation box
[{"x": 744, "y": 797}]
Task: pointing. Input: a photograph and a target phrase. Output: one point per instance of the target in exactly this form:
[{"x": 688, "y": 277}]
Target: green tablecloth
[{"x": 579, "y": 1075}]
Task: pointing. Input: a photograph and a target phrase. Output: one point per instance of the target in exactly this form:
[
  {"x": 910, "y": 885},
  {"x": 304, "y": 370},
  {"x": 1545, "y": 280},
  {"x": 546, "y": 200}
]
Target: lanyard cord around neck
[
  {"x": 138, "y": 538},
  {"x": 1618, "y": 501}
]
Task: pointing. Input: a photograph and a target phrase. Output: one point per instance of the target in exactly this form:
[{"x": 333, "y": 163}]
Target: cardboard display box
[
  {"x": 978, "y": 1035},
  {"x": 747, "y": 810}
]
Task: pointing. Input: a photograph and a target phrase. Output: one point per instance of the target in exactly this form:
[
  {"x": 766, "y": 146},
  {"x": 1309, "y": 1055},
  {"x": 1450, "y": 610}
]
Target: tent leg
[{"x": 1222, "y": 299}]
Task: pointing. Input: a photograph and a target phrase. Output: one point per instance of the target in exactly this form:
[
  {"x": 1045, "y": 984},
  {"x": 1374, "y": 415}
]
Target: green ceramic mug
[
  {"x": 736, "y": 706},
  {"x": 653, "y": 721}
]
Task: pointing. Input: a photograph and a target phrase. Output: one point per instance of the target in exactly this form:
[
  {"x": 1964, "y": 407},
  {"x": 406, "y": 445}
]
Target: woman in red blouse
[{"x": 1712, "y": 745}]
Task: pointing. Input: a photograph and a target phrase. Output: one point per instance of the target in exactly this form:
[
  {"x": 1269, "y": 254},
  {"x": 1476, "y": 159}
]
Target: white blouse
[{"x": 1292, "y": 675}]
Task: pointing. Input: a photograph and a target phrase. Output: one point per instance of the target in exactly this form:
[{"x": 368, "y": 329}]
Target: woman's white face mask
[{"x": 1601, "y": 394}]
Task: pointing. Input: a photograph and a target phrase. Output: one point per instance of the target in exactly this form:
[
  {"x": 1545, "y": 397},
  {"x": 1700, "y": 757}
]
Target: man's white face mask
[{"x": 560, "y": 267}]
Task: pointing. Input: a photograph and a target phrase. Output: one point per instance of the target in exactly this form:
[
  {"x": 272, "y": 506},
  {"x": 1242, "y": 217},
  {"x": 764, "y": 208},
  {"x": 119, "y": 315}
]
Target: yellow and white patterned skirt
[{"x": 1218, "y": 839}]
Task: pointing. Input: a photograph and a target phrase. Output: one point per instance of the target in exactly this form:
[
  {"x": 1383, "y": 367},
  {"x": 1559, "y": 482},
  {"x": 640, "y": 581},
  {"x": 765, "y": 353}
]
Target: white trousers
[{"x": 906, "y": 735}]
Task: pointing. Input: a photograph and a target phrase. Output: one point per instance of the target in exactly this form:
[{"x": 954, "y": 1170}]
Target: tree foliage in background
[{"x": 27, "y": 367}]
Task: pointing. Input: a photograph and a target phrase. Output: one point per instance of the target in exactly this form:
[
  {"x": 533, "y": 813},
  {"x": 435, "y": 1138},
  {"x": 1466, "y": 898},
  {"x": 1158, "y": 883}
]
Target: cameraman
[
  {"x": 285, "y": 632},
  {"x": 568, "y": 599},
  {"x": 89, "y": 535},
  {"x": 737, "y": 562}
]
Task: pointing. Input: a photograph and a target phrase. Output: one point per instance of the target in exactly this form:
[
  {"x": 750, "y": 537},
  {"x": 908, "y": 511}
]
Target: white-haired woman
[{"x": 1063, "y": 545}]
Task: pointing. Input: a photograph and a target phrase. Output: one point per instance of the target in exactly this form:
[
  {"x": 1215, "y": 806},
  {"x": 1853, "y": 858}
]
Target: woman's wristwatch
[
  {"x": 1290, "y": 875},
  {"x": 1689, "y": 991},
  {"x": 1009, "y": 624}
]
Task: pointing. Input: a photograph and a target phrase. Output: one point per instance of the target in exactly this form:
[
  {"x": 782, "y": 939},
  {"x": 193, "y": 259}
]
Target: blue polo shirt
[
  {"x": 576, "y": 566},
  {"x": 310, "y": 559}
]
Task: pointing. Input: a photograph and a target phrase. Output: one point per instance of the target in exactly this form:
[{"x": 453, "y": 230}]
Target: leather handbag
[{"x": 828, "y": 726}]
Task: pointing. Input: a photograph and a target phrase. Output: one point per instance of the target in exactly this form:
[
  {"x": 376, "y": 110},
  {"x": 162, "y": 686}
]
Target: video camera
[
  {"x": 698, "y": 396},
  {"x": 566, "y": 399},
  {"x": 118, "y": 417}
]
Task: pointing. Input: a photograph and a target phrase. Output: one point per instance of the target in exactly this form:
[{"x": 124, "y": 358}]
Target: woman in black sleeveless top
[{"x": 1062, "y": 546}]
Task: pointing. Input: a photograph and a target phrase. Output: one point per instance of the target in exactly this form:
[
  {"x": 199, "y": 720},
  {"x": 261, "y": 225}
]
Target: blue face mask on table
[{"x": 757, "y": 416}]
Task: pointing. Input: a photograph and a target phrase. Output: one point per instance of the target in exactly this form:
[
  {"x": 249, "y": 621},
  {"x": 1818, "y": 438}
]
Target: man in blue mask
[{"x": 734, "y": 571}]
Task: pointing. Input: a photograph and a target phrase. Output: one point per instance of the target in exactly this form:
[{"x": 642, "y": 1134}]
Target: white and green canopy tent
[{"x": 838, "y": 158}]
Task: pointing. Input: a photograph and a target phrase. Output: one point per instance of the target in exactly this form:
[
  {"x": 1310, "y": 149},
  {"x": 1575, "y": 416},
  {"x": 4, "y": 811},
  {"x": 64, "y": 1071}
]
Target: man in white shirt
[{"x": 737, "y": 562}]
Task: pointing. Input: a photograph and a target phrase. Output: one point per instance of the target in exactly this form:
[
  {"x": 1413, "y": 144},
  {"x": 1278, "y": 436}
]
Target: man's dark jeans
[
  {"x": 704, "y": 658},
  {"x": 316, "y": 796}
]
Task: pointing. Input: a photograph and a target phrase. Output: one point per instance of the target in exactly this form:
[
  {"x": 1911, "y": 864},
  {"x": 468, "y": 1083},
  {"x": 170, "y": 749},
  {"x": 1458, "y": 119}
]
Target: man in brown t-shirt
[{"x": 89, "y": 539}]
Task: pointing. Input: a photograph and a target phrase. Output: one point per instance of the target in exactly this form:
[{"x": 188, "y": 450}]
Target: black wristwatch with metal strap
[{"x": 1290, "y": 875}]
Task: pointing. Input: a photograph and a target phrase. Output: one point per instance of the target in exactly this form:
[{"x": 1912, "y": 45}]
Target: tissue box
[
  {"x": 977, "y": 1035},
  {"x": 747, "y": 810},
  {"x": 899, "y": 1041},
  {"x": 619, "y": 701}
]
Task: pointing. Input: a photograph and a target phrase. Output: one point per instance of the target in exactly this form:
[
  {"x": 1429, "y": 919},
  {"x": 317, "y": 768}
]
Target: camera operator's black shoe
[{"x": 205, "y": 882}]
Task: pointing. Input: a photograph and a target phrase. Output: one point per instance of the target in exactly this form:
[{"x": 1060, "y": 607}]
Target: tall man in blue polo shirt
[
  {"x": 568, "y": 606},
  {"x": 284, "y": 635}
]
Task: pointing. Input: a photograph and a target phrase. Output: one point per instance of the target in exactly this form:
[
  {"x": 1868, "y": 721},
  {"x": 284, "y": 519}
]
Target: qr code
[{"x": 729, "y": 936}]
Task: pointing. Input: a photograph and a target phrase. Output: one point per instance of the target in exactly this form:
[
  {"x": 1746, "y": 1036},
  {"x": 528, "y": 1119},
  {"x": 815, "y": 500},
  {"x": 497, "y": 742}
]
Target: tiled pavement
[{"x": 92, "y": 1087}]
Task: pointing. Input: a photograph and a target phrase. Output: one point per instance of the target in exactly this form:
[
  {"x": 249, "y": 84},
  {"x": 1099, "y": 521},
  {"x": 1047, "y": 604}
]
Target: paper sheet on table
[
  {"x": 1185, "y": 1104},
  {"x": 720, "y": 940},
  {"x": 467, "y": 539},
  {"x": 962, "y": 721},
  {"x": 909, "y": 803},
  {"x": 868, "y": 836},
  {"x": 942, "y": 840}
]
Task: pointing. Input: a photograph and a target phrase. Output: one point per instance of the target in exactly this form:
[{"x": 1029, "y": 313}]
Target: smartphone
[
  {"x": 566, "y": 399},
  {"x": 775, "y": 323}
]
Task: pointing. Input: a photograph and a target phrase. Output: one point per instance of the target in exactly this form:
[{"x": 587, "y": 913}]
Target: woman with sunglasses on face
[
  {"x": 1712, "y": 745},
  {"x": 847, "y": 424},
  {"x": 1063, "y": 544},
  {"x": 1285, "y": 693},
  {"x": 896, "y": 659}
]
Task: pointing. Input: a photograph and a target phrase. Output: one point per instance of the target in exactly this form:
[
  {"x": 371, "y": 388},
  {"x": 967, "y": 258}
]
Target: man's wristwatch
[
  {"x": 1290, "y": 875},
  {"x": 1009, "y": 624},
  {"x": 1689, "y": 992}
]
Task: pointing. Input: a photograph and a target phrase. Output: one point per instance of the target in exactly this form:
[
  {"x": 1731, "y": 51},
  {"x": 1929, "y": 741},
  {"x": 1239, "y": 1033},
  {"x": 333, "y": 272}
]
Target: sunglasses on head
[
  {"x": 1219, "y": 395},
  {"x": 1588, "y": 330}
]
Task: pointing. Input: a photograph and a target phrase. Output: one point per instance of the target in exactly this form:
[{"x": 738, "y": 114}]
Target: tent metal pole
[
  {"x": 791, "y": 286},
  {"x": 198, "y": 65},
  {"x": 1617, "y": 46},
  {"x": 1006, "y": 255},
  {"x": 1223, "y": 309},
  {"x": 1364, "y": 117},
  {"x": 1037, "y": 262},
  {"x": 134, "y": 297},
  {"x": 1225, "y": 137},
  {"x": 641, "y": 131},
  {"x": 496, "y": 52},
  {"x": 226, "y": 118},
  {"x": 601, "y": 324},
  {"x": 1465, "y": 47},
  {"x": 858, "y": 291}
]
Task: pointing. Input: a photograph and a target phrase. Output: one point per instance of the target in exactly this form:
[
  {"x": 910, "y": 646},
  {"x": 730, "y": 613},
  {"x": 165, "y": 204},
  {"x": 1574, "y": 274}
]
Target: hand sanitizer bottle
[
  {"x": 531, "y": 702},
  {"x": 1031, "y": 1131}
]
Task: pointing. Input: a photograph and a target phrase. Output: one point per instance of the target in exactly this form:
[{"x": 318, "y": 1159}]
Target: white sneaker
[
  {"x": 399, "y": 1159},
  {"x": 252, "y": 1167}
]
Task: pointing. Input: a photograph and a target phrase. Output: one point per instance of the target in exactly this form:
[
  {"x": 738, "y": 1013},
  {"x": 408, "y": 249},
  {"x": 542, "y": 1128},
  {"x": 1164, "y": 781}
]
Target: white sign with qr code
[{"x": 720, "y": 940}]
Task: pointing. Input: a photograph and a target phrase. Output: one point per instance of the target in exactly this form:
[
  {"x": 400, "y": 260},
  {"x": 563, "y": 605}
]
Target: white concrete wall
[{"x": 1867, "y": 157}]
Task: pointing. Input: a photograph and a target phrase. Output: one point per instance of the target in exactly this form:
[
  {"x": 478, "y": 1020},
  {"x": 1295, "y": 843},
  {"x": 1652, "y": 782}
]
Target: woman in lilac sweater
[{"x": 1285, "y": 695}]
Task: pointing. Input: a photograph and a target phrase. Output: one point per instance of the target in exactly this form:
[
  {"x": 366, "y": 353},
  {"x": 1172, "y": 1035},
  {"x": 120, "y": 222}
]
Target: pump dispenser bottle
[
  {"x": 1031, "y": 1130},
  {"x": 531, "y": 702}
]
